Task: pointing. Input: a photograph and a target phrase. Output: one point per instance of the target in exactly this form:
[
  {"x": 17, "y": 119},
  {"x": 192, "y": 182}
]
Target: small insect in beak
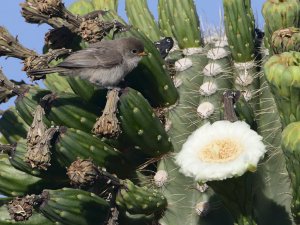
[{"x": 142, "y": 54}]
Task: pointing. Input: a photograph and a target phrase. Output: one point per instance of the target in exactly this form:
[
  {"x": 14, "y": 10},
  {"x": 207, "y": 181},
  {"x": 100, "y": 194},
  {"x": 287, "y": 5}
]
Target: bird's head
[{"x": 132, "y": 48}]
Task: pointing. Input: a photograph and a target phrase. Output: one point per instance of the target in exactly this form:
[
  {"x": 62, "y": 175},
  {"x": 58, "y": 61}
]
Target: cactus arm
[
  {"x": 239, "y": 26},
  {"x": 164, "y": 19},
  {"x": 184, "y": 21},
  {"x": 140, "y": 126},
  {"x": 141, "y": 18}
]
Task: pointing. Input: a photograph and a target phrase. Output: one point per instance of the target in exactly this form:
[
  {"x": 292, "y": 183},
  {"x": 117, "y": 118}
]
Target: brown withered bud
[
  {"x": 20, "y": 209},
  {"x": 6, "y": 88},
  {"x": 108, "y": 124},
  {"x": 39, "y": 155},
  {"x": 94, "y": 30},
  {"x": 9, "y": 89},
  {"x": 83, "y": 173},
  {"x": 52, "y": 12},
  {"x": 285, "y": 40},
  {"x": 10, "y": 46},
  {"x": 37, "y": 128},
  {"x": 42, "y": 61}
]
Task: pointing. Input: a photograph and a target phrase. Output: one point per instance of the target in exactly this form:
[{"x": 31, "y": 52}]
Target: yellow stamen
[{"x": 220, "y": 151}]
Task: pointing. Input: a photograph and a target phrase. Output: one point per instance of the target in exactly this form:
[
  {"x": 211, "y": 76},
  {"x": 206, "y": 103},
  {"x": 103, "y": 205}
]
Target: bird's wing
[{"x": 93, "y": 58}]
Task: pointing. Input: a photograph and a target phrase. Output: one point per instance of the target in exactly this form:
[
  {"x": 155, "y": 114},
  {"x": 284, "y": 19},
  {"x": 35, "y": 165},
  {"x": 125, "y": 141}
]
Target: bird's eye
[{"x": 134, "y": 51}]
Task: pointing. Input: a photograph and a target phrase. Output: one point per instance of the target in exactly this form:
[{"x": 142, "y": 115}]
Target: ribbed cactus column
[
  {"x": 291, "y": 149},
  {"x": 239, "y": 26},
  {"x": 280, "y": 14},
  {"x": 283, "y": 74},
  {"x": 273, "y": 197},
  {"x": 141, "y": 18},
  {"x": 164, "y": 19},
  {"x": 201, "y": 78},
  {"x": 184, "y": 21}
]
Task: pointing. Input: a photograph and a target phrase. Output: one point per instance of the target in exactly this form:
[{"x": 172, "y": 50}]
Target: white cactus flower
[{"x": 220, "y": 150}]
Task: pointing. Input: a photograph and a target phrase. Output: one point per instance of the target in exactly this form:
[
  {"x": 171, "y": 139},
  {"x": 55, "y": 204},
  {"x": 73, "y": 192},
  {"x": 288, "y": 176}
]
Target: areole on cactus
[{"x": 190, "y": 137}]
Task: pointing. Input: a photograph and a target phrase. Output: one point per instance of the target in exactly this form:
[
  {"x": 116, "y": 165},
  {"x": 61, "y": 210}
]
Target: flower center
[{"x": 220, "y": 151}]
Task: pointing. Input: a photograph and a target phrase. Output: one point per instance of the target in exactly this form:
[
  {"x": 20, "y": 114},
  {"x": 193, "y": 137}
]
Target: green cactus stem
[
  {"x": 164, "y": 19},
  {"x": 82, "y": 7},
  {"x": 87, "y": 208},
  {"x": 239, "y": 26},
  {"x": 279, "y": 14},
  {"x": 12, "y": 126},
  {"x": 239, "y": 189},
  {"x": 64, "y": 109},
  {"x": 273, "y": 198},
  {"x": 17, "y": 159},
  {"x": 57, "y": 83},
  {"x": 21, "y": 183},
  {"x": 140, "y": 200},
  {"x": 105, "y": 5},
  {"x": 27, "y": 101},
  {"x": 283, "y": 75},
  {"x": 184, "y": 22},
  {"x": 290, "y": 143},
  {"x": 87, "y": 91},
  {"x": 141, "y": 18},
  {"x": 35, "y": 218},
  {"x": 285, "y": 40},
  {"x": 140, "y": 127},
  {"x": 73, "y": 144}
]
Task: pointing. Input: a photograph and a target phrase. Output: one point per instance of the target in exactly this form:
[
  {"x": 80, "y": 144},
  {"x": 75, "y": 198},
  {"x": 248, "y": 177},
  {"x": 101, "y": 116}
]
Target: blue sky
[{"x": 32, "y": 36}]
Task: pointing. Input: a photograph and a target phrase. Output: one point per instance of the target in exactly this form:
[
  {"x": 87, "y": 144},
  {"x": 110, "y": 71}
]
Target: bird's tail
[{"x": 45, "y": 71}]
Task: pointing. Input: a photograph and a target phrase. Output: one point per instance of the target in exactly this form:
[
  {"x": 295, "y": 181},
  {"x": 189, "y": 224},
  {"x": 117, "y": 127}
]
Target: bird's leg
[{"x": 108, "y": 124}]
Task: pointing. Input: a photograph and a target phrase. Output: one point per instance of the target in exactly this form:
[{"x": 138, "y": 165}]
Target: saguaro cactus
[{"x": 191, "y": 137}]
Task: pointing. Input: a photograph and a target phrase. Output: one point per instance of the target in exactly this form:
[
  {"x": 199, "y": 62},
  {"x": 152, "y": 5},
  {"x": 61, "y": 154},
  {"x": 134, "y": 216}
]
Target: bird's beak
[{"x": 142, "y": 54}]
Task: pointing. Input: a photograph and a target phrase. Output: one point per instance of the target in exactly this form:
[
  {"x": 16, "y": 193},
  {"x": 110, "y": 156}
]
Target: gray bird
[{"x": 104, "y": 63}]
